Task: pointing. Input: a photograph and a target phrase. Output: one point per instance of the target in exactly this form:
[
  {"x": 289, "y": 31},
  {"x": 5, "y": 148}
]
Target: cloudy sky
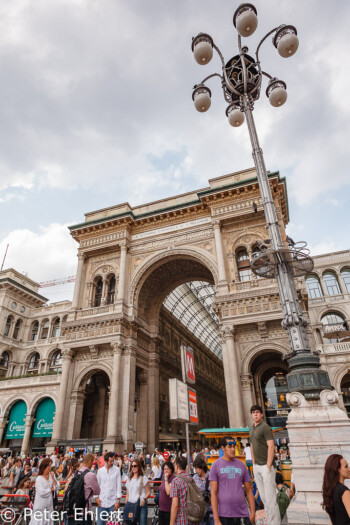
[{"x": 96, "y": 110}]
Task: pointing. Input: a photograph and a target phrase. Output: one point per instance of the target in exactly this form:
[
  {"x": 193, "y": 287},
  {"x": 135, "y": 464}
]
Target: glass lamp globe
[
  {"x": 288, "y": 45},
  {"x": 202, "y": 47},
  {"x": 277, "y": 97},
  {"x": 202, "y": 99},
  {"x": 235, "y": 116},
  {"x": 246, "y": 23},
  {"x": 203, "y": 52}
]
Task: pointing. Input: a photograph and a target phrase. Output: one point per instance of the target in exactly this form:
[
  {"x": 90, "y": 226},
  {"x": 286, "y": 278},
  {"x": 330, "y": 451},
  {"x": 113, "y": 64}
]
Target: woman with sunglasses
[{"x": 137, "y": 488}]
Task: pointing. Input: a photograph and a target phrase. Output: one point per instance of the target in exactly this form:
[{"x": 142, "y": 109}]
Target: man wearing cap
[{"x": 227, "y": 475}]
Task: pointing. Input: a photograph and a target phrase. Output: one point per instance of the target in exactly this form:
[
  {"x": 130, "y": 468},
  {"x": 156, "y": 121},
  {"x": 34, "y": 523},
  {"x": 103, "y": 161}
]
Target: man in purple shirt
[{"x": 227, "y": 475}]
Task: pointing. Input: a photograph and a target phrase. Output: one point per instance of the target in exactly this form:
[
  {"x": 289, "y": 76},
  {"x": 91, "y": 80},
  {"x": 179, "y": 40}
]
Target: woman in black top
[{"x": 336, "y": 496}]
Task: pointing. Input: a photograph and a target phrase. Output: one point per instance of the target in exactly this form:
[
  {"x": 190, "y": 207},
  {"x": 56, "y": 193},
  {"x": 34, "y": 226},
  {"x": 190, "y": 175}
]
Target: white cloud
[{"x": 47, "y": 254}]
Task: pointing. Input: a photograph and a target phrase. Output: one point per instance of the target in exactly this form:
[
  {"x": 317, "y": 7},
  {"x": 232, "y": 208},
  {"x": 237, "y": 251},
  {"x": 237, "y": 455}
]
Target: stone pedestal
[{"x": 317, "y": 429}]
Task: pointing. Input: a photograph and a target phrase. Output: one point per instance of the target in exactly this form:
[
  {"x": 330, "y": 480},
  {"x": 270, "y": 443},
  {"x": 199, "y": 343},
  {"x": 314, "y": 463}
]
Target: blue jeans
[
  {"x": 107, "y": 510},
  {"x": 143, "y": 515}
]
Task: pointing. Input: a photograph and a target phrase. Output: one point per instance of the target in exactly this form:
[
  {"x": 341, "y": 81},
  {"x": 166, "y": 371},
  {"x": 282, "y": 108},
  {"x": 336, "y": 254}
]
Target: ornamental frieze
[{"x": 180, "y": 239}]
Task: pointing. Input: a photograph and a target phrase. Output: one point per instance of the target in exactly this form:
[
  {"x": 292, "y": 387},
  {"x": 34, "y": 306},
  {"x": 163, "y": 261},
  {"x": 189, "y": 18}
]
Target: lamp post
[{"x": 241, "y": 80}]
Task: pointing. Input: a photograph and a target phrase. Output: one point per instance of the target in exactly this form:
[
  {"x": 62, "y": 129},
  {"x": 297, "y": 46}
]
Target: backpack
[
  {"x": 282, "y": 501},
  {"x": 196, "y": 507},
  {"x": 74, "y": 497}
]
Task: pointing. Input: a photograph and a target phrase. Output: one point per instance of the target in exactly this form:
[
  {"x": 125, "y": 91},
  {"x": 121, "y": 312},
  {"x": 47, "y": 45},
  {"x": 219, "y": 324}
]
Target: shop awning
[
  {"x": 171, "y": 438},
  {"x": 16, "y": 424},
  {"x": 44, "y": 418}
]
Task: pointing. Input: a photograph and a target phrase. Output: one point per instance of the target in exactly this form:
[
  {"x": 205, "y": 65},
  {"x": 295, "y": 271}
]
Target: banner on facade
[
  {"x": 192, "y": 402},
  {"x": 16, "y": 424},
  {"x": 178, "y": 400},
  {"x": 44, "y": 418}
]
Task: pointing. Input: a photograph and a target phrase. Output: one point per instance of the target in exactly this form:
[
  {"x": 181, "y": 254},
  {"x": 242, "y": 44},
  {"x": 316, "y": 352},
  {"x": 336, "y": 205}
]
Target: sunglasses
[
  {"x": 134, "y": 466},
  {"x": 230, "y": 443}
]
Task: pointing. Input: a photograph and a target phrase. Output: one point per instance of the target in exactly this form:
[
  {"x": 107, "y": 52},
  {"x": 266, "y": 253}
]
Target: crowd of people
[{"x": 231, "y": 493}]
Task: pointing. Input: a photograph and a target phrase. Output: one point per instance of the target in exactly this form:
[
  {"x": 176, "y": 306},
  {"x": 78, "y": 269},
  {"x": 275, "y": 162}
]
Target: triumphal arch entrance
[{"x": 122, "y": 341}]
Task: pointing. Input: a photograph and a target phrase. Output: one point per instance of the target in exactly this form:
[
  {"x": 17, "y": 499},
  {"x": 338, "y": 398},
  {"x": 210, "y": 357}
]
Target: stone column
[
  {"x": 142, "y": 423},
  {"x": 234, "y": 375},
  {"x": 220, "y": 256},
  {"x": 75, "y": 414},
  {"x": 153, "y": 401},
  {"x": 27, "y": 434},
  {"x": 58, "y": 421},
  {"x": 77, "y": 286},
  {"x": 122, "y": 271},
  {"x": 228, "y": 382},
  {"x": 247, "y": 394},
  {"x": 128, "y": 404},
  {"x": 113, "y": 410}
]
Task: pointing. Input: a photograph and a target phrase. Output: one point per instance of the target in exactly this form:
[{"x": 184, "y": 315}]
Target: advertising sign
[
  {"x": 328, "y": 329},
  {"x": 16, "y": 424},
  {"x": 192, "y": 401},
  {"x": 44, "y": 418},
  {"x": 187, "y": 358},
  {"x": 178, "y": 400}
]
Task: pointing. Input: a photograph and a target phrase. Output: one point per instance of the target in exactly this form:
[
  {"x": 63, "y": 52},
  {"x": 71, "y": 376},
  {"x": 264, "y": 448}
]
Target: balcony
[
  {"x": 334, "y": 348},
  {"x": 27, "y": 380}
]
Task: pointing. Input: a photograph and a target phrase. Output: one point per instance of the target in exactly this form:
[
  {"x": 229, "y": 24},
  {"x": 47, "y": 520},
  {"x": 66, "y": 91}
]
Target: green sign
[
  {"x": 16, "y": 424},
  {"x": 44, "y": 418}
]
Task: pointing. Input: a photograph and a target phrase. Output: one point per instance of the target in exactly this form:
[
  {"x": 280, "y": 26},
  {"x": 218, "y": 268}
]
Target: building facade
[{"x": 95, "y": 370}]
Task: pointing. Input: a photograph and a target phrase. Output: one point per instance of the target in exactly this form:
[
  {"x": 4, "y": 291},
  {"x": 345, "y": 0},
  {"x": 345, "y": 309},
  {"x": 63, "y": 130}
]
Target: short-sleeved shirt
[
  {"x": 230, "y": 476},
  {"x": 258, "y": 437},
  {"x": 133, "y": 486},
  {"x": 179, "y": 490},
  {"x": 340, "y": 516}
]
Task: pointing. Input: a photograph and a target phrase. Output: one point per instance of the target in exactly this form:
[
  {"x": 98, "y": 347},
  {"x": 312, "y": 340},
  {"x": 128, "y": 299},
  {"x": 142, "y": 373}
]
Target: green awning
[
  {"x": 16, "y": 424},
  {"x": 44, "y": 418}
]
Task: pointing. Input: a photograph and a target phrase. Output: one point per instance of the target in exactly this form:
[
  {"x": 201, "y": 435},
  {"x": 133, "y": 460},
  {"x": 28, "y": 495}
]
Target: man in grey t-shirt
[{"x": 263, "y": 456}]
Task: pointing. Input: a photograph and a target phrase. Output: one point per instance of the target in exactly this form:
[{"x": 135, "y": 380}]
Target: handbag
[{"x": 131, "y": 512}]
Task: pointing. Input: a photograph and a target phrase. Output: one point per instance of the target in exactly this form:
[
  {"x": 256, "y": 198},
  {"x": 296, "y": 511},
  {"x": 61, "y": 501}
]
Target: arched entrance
[
  {"x": 95, "y": 407},
  {"x": 270, "y": 384},
  {"x": 174, "y": 309}
]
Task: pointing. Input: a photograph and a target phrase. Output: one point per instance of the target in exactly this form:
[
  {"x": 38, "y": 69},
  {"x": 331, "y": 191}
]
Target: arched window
[
  {"x": 56, "y": 361},
  {"x": 56, "y": 328},
  {"x": 331, "y": 283},
  {"x": 111, "y": 290},
  {"x": 243, "y": 265},
  {"x": 345, "y": 275},
  {"x": 4, "y": 360},
  {"x": 34, "y": 362},
  {"x": 332, "y": 323},
  {"x": 313, "y": 287},
  {"x": 98, "y": 292},
  {"x": 17, "y": 329},
  {"x": 8, "y": 325},
  {"x": 35, "y": 331},
  {"x": 45, "y": 326}
]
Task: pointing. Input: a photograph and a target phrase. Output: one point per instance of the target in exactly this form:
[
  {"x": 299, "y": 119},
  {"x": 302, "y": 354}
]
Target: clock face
[
  {"x": 13, "y": 305},
  {"x": 22, "y": 309}
]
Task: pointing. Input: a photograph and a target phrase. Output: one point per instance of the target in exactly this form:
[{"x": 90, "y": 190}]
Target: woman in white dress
[{"x": 45, "y": 486}]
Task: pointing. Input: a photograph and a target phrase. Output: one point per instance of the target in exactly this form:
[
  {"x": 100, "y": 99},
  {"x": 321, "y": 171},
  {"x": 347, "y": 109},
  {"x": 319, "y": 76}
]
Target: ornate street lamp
[{"x": 241, "y": 81}]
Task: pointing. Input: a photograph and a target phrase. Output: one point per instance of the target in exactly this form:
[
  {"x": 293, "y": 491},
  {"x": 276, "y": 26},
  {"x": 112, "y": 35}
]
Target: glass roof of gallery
[{"x": 191, "y": 303}]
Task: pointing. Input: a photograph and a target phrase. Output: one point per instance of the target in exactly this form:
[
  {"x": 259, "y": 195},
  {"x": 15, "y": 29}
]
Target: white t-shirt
[
  {"x": 157, "y": 472},
  {"x": 133, "y": 486},
  {"x": 53, "y": 459},
  {"x": 248, "y": 454}
]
